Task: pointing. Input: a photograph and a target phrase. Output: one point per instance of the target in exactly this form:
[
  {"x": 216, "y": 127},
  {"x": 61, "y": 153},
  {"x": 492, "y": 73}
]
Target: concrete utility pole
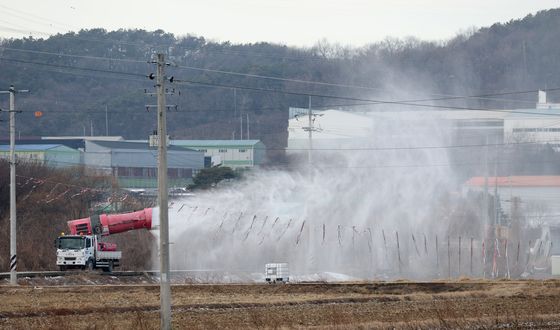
[
  {"x": 486, "y": 171},
  {"x": 310, "y": 119},
  {"x": 248, "y": 135},
  {"x": 13, "y": 219},
  {"x": 165, "y": 288},
  {"x": 106, "y": 121},
  {"x": 496, "y": 199}
]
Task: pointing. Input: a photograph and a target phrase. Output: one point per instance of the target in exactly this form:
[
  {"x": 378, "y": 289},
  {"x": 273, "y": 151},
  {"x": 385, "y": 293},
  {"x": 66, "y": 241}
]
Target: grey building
[
  {"x": 134, "y": 164},
  {"x": 231, "y": 153}
]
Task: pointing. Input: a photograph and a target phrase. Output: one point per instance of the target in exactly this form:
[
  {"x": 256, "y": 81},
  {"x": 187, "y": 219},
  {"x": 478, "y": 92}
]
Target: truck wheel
[
  {"x": 62, "y": 268},
  {"x": 109, "y": 268},
  {"x": 89, "y": 265}
]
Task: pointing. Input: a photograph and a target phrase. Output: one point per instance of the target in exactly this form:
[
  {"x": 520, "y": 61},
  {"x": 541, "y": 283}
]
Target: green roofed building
[
  {"x": 55, "y": 155},
  {"x": 231, "y": 153}
]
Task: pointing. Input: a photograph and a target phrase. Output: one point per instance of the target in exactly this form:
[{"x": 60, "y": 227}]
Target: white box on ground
[
  {"x": 276, "y": 272},
  {"x": 555, "y": 263}
]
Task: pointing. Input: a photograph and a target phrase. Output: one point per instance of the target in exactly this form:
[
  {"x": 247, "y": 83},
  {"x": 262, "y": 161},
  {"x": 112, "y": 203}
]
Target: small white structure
[
  {"x": 277, "y": 272},
  {"x": 555, "y": 263},
  {"x": 543, "y": 104}
]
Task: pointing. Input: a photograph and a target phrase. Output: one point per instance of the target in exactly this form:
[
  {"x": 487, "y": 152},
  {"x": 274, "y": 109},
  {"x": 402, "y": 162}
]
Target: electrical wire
[
  {"x": 113, "y": 72},
  {"x": 75, "y": 67},
  {"x": 350, "y": 167},
  {"x": 35, "y": 18},
  {"x": 339, "y": 97},
  {"x": 444, "y": 97},
  {"x": 279, "y": 91},
  {"x": 89, "y": 57}
]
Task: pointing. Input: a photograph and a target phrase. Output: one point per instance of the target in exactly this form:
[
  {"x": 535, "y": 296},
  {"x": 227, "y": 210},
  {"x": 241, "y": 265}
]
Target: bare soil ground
[{"x": 366, "y": 305}]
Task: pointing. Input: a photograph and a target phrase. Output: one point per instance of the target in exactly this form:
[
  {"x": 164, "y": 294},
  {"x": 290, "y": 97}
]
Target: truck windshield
[{"x": 71, "y": 243}]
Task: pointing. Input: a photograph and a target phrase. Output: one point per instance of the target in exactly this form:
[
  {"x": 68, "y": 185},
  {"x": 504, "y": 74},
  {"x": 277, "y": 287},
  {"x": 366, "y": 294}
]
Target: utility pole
[
  {"x": 310, "y": 119},
  {"x": 240, "y": 125},
  {"x": 496, "y": 198},
  {"x": 310, "y": 129},
  {"x": 165, "y": 288},
  {"x": 486, "y": 170},
  {"x": 248, "y": 136},
  {"x": 161, "y": 141},
  {"x": 106, "y": 121},
  {"x": 13, "y": 220}
]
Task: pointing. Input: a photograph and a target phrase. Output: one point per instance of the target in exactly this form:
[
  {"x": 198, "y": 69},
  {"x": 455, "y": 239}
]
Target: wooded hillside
[{"x": 73, "y": 83}]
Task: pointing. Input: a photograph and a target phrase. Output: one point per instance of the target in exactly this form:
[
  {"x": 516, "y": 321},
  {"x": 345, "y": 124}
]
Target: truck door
[{"x": 89, "y": 250}]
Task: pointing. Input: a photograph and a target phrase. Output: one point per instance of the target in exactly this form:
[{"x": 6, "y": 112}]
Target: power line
[
  {"x": 378, "y": 166},
  {"x": 36, "y": 18},
  {"x": 459, "y": 146},
  {"x": 68, "y": 184},
  {"x": 372, "y": 101},
  {"x": 74, "y": 67},
  {"x": 390, "y": 166},
  {"x": 445, "y": 97},
  {"x": 79, "y": 74},
  {"x": 89, "y": 57},
  {"x": 261, "y": 89},
  {"x": 22, "y": 31}
]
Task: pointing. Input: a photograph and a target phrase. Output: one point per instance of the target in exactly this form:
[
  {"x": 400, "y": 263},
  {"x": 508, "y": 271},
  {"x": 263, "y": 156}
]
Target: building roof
[
  {"x": 133, "y": 145},
  {"x": 214, "y": 143},
  {"x": 87, "y": 137},
  {"x": 516, "y": 181},
  {"x": 74, "y": 144},
  {"x": 533, "y": 113},
  {"x": 32, "y": 147}
]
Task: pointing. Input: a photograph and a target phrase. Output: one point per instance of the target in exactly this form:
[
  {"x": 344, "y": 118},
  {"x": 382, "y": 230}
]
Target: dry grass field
[{"x": 365, "y": 305}]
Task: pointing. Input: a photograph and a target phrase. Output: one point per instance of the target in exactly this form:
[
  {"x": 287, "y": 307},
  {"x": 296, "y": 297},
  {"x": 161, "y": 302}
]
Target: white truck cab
[{"x": 84, "y": 252}]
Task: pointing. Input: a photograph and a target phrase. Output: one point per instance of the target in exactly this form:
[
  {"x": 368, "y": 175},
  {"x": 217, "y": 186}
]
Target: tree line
[{"x": 517, "y": 55}]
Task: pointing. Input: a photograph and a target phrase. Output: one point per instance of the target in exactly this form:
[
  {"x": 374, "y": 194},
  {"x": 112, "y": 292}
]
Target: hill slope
[{"x": 519, "y": 55}]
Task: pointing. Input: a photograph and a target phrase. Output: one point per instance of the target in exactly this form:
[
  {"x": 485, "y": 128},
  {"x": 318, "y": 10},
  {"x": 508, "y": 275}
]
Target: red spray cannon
[{"x": 109, "y": 224}]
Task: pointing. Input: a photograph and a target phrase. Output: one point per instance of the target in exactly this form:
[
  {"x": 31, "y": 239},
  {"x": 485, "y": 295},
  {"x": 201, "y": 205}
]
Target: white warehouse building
[
  {"x": 541, "y": 124},
  {"x": 230, "y": 153}
]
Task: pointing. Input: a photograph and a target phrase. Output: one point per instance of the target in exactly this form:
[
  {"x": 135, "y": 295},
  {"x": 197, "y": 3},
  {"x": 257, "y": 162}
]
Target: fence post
[
  {"x": 449, "y": 256},
  {"x": 471, "y": 272},
  {"x": 398, "y": 252}
]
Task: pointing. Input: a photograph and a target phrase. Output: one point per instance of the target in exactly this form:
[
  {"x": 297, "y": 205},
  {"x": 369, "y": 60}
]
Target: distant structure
[
  {"x": 54, "y": 155},
  {"x": 333, "y": 128},
  {"x": 134, "y": 164},
  {"x": 539, "y": 195},
  {"x": 540, "y": 125},
  {"x": 230, "y": 153},
  {"x": 337, "y": 129},
  {"x": 88, "y": 138},
  {"x": 74, "y": 142},
  {"x": 543, "y": 104}
]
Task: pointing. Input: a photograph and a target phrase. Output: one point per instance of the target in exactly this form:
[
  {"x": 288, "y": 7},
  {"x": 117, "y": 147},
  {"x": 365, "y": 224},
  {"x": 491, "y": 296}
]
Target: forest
[{"x": 81, "y": 80}]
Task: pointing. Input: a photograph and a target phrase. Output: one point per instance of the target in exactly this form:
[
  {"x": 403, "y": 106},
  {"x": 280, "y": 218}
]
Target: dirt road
[{"x": 473, "y": 304}]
